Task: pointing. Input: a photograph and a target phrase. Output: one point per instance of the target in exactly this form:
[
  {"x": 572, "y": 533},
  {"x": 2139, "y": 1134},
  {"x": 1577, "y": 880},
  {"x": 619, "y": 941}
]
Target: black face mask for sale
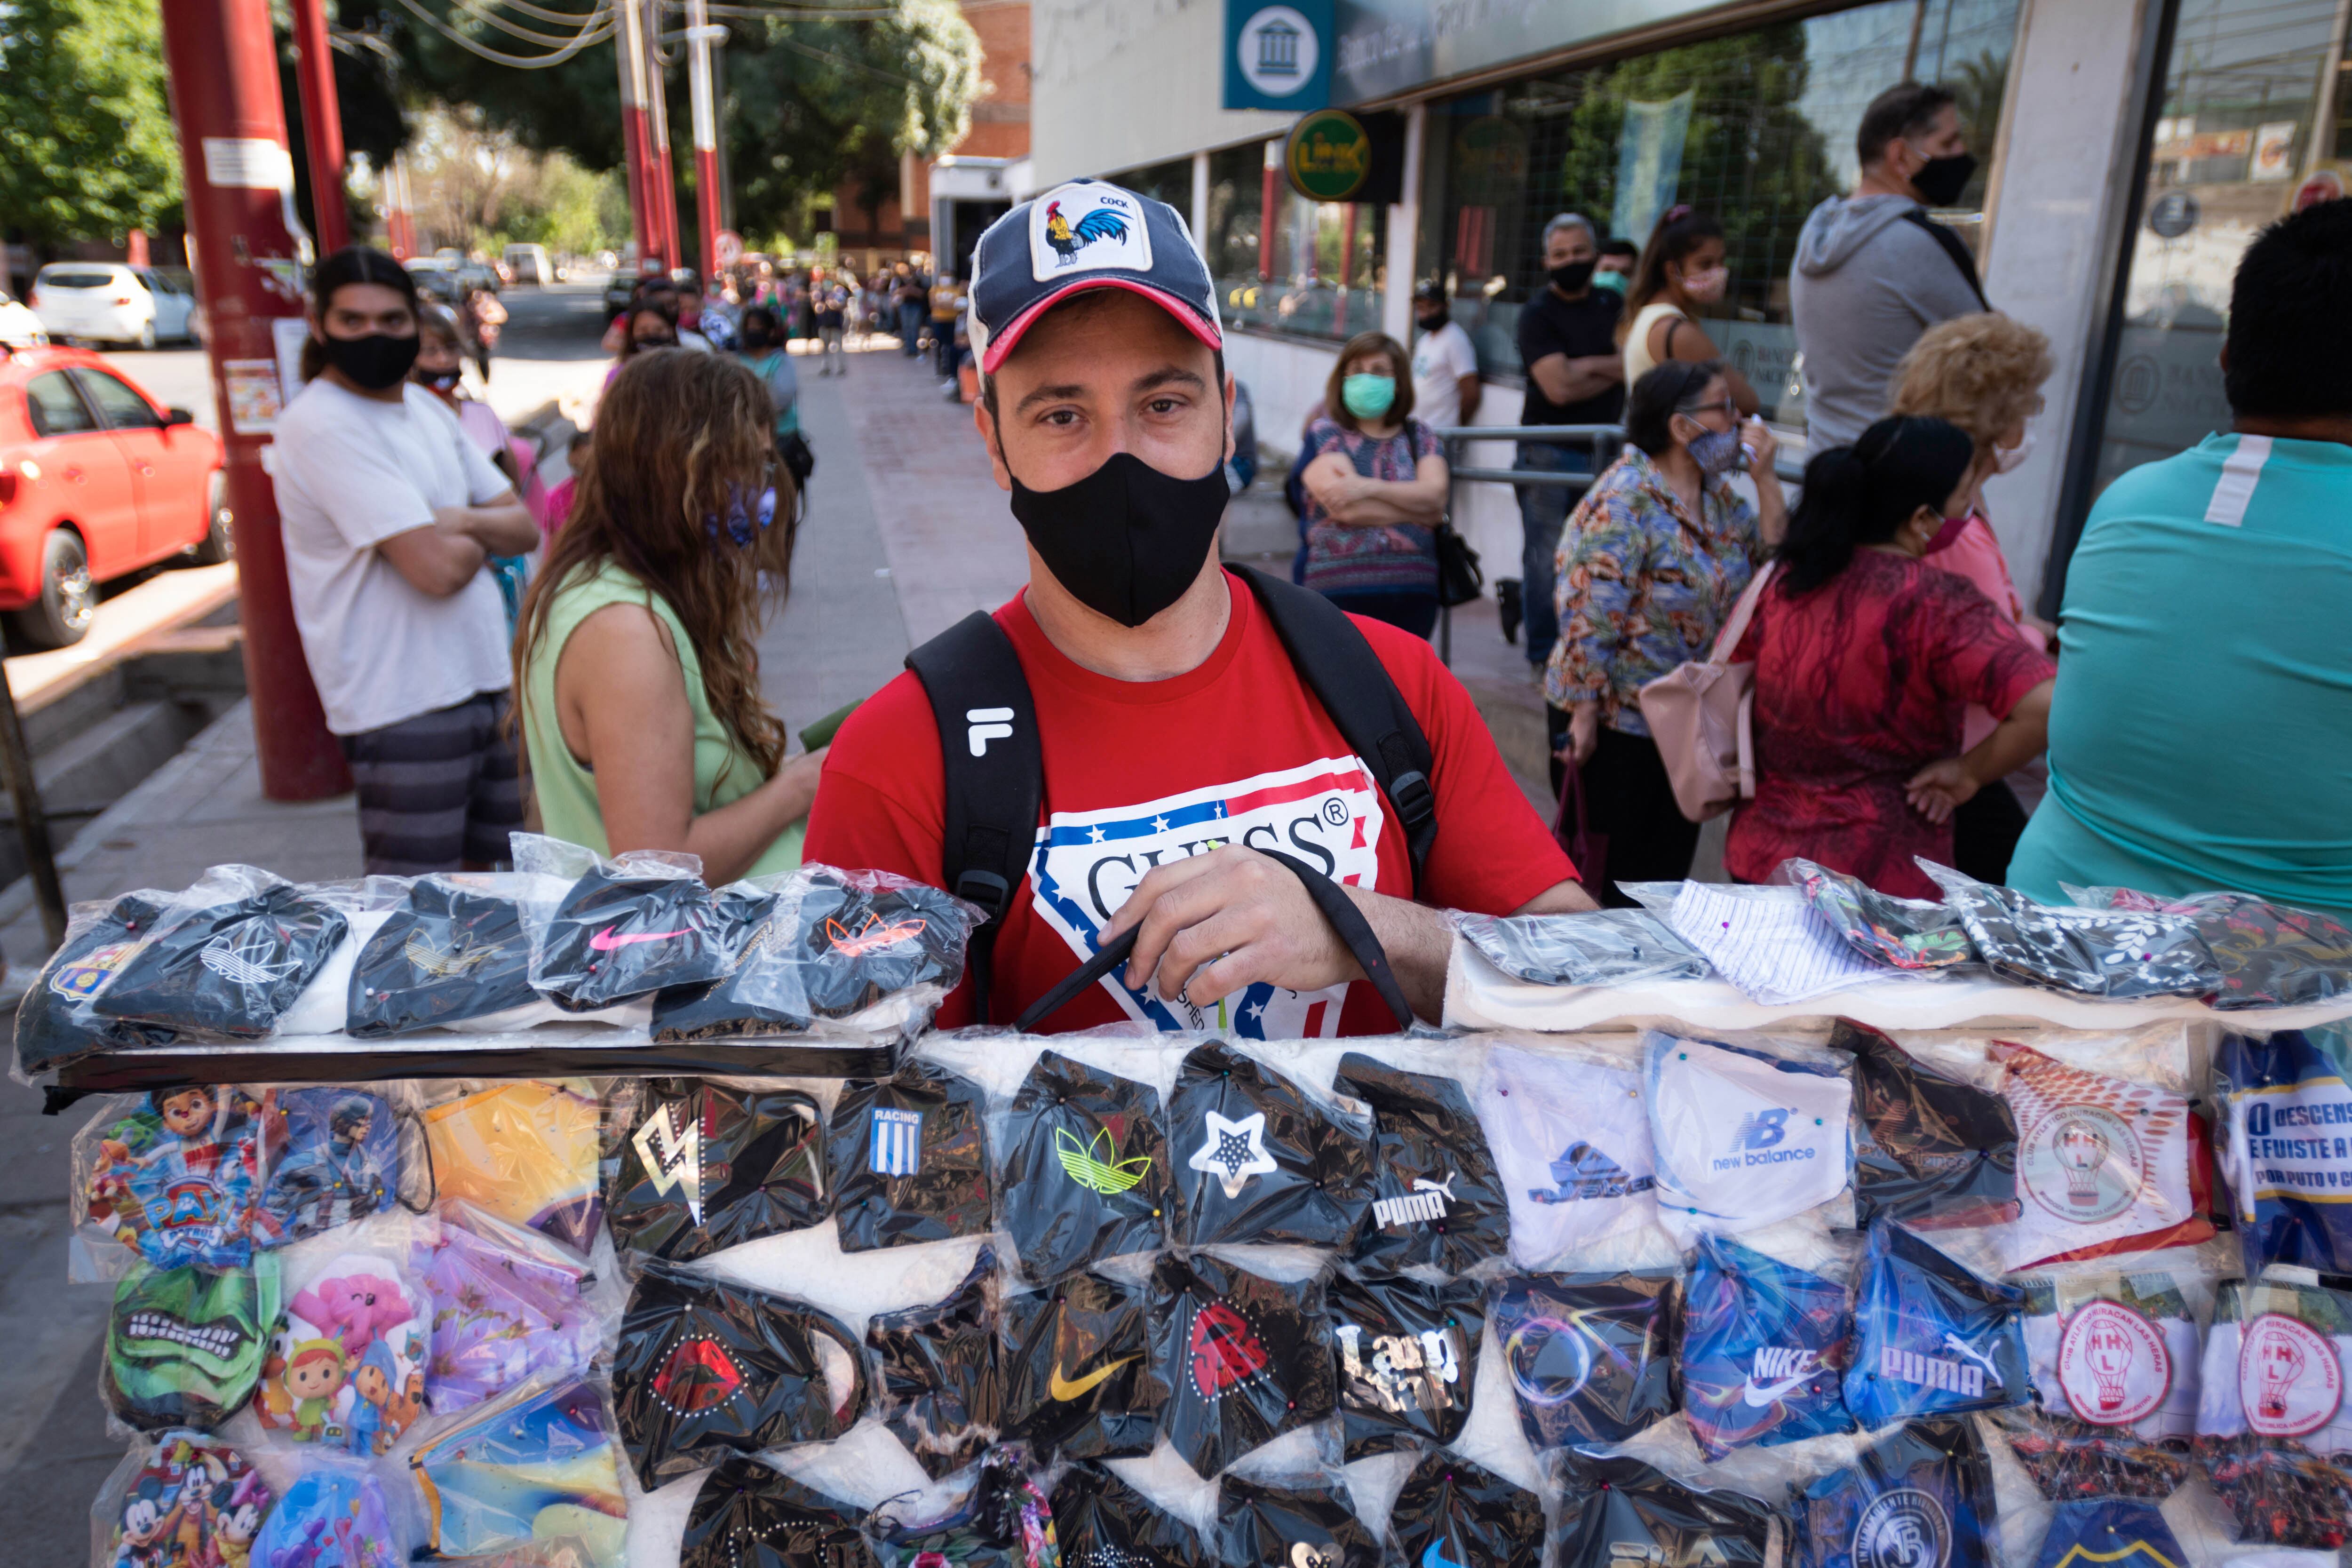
[
  {"x": 1127, "y": 540},
  {"x": 1306, "y": 1526},
  {"x": 1257, "y": 1160},
  {"x": 1587, "y": 1353},
  {"x": 1408, "y": 1359},
  {"x": 1617, "y": 1509},
  {"x": 710, "y": 1166},
  {"x": 940, "y": 1391},
  {"x": 748, "y": 1516},
  {"x": 1077, "y": 1371},
  {"x": 1928, "y": 1148},
  {"x": 1452, "y": 1511},
  {"x": 1100, "y": 1521},
  {"x": 446, "y": 956},
  {"x": 1244, "y": 1359},
  {"x": 1435, "y": 1197},
  {"x": 909, "y": 1158},
  {"x": 374, "y": 362},
  {"x": 1086, "y": 1168}
]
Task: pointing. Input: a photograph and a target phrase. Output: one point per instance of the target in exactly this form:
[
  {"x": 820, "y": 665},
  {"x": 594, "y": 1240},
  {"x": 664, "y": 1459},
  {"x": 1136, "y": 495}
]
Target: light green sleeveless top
[{"x": 723, "y": 773}]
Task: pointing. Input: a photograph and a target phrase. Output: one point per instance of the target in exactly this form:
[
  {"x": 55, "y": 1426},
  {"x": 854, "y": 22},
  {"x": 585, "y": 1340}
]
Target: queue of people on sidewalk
[{"x": 822, "y": 310}]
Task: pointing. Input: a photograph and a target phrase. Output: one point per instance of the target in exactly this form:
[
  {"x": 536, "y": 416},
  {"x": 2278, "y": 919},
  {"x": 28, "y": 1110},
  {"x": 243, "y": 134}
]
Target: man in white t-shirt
[
  {"x": 1445, "y": 364},
  {"x": 390, "y": 515}
]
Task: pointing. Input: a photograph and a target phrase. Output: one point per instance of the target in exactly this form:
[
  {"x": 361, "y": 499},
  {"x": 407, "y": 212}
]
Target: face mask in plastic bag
[
  {"x": 1086, "y": 1168},
  {"x": 1930, "y": 1336},
  {"x": 52, "y": 1026},
  {"x": 1597, "y": 947},
  {"x": 184, "y": 1346},
  {"x": 1006, "y": 1524},
  {"x": 1571, "y": 1146},
  {"x": 1617, "y": 1510},
  {"x": 2270, "y": 955},
  {"x": 189, "y": 1504},
  {"x": 1764, "y": 1349},
  {"x": 908, "y": 1156},
  {"x": 1921, "y": 1495},
  {"x": 1901, "y": 933},
  {"x": 229, "y": 955},
  {"x": 2104, "y": 1164},
  {"x": 1743, "y": 1139},
  {"x": 178, "y": 1180},
  {"x": 1453, "y": 1514},
  {"x": 507, "y": 1306},
  {"x": 448, "y": 955},
  {"x": 1306, "y": 1526},
  {"x": 2110, "y": 1532},
  {"x": 1256, "y": 1160},
  {"x": 335, "y": 1158},
  {"x": 1244, "y": 1359},
  {"x": 2115, "y": 1364},
  {"x": 1100, "y": 1521},
  {"x": 706, "y": 1166},
  {"x": 2272, "y": 1427},
  {"x": 1408, "y": 1360},
  {"x": 1587, "y": 1353},
  {"x": 750, "y": 1516},
  {"x": 1436, "y": 1199},
  {"x": 524, "y": 1153},
  {"x": 538, "y": 1464},
  {"x": 705, "y": 1368},
  {"x": 2119, "y": 954},
  {"x": 627, "y": 929},
  {"x": 346, "y": 1369},
  {"x": 1077, "y": 1371},
  {"x": 332, "y": 1518},
  {"x": 937, "y": 1385},
  {"x": 2286, "y": 1143},
  {"x": 1927, "y": 1148}
]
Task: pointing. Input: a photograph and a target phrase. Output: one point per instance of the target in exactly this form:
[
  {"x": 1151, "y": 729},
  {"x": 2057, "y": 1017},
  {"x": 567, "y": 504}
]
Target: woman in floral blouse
[
  {"x": 1375, "y": 482},
  {"x": 1649, "y": 567}
]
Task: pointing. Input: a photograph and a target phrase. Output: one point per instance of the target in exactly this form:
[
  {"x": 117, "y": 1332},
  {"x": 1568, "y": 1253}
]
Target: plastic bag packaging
[
  {"x": 706, "y": 1367},
  {"x": 2115, "y": 1364},
  {"x": 536, "y": 1465},
  {"x": 1743, "y": 1138},
  {"x": 704, "y": 1165},
  {"x": 2120, "y": 954},
  {"x": 53, "y": 1028},
  {"x": 1005, "y": 1523},
  {"x": 2104, "y": 1164},
  {"x": 749, "y": 1515},
  {"x": 2284, "y": 1150},
  {"x": 226, "y": 957},
  {"x": 1931, "y": 1337},
  {"x": 508, "y": 1306},
  {"x": 184, "y": 1347},
  {"x": 1086, "y": 1168},
  {"x": 1596, "y": 947},
  {"x": 1308, "y": 1524},
  {"x": 908, "y": 1155},
  {"x": 825, "y": 944},
  {"x": 2271, "y": 1425},
  {"x": 346, "y": 1367},
  {"x": 1408, "y": 1359},
  {"x": 175, "y": 1178},
  {"x": 1928, "y": 1148},
  {"x": 1100, "y": 1521},
  {"x": 1618, "y": 1509},
  {"x": 1922, "y": 1494},
  {"x": 1901, "y": 933},
  {"x": 187, "y": 1502},
  {"x": 1257, "y": 1160},
  {"x": 335, "y": 1155},
  {"x": 524, "y": 1151},
  {"x": 1572, "y": 1150},
  {"x": 1242, "y": 1358},
  {"x": 1588, "y": 1354},
  {"x": 1437, "y": 1200},
  {"x": 451, "y": 953},
  {"x": 1764, "y": 1347},
  {"x": 936, "y": 1374},
  {"x": 1076, "y": 1367},
  {"x": 335, "y": 1516},
  {"x": 626, "y": 927},
  {"x": 1452, "y": 1513},
  {"x": 2116, "y": 1532},
  {"x": 2270, "y": 955}
]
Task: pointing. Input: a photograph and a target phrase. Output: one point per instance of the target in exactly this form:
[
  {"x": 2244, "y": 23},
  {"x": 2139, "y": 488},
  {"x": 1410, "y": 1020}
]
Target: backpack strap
[
  {"x": 1348, "y": 678},
  {"x": 995, "y": 774},
  {"x": 1954, "y": 246}
]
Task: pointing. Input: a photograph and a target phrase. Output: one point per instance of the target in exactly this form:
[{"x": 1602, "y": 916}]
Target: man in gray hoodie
[{"x": 1873, "y": 271}]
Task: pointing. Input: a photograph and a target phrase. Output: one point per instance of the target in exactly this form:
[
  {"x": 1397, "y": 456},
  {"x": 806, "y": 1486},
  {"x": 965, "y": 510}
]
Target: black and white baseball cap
[{"x": 1084, "y": 235}]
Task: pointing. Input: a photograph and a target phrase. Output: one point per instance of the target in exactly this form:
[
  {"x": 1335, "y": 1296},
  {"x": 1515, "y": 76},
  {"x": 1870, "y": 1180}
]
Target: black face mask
[
  {"x": 755, "y": 337},
  {"x": 1941, "y": 180},
  {"x": 1431, "y": 323},
  {"x": 374, "y": 362},
  {"x": 646, "y": 345},
  {"x": 440, "y": 379},
  {"x": 1127, "y": 540},
  {"x": 1572, "y": 278}
]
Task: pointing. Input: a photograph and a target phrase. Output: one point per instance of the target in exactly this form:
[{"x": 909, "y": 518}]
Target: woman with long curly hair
[{"x": 637, "y": 655}]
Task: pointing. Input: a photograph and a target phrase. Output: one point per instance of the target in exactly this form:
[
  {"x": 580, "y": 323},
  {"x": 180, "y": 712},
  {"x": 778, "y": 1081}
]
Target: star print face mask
[
  {"x": 1921, "y": 1494},
  {"x": 53, "y": 1028},
  {"x": 908, "y": 1157},
  {"x": 226, "y": 958},
  {"x": 183, "y": 1346},
  {"x": 2115, "y": 1363},
  {"x": 939, "y": 1388},
  {"x": 1244, "y": 1359},
  {"x": 448, "y": 955},
  {"x": 1929, "y": 1149},
  {"x": 1308, "y": 1526},
  {"x": 707, "y": 1165},
  {"x": 748, "y": 1516},
  {"x": 1076, "y": 1370},
  {"x": 1435, "y": 1197},
  {"x": 1743, "y": 1138},
  {"x": 1256, "y": 1160},
  {"x": 177, "y": 1181},
  {"x": 336, "y": 1158},
  {"x": 1408, "y": 1360},
  {"x": 1619, "y": 1508},
  {"x": 1586, "y": 1354},
  {"x": 1572, "y": 1146},
  {"x": 1453, "y": 1514},
  {"x": 1086, "y": 1168},
  {"x": 1931, "y": 1338},
  {"x": 1764, "y": 1349},
  {"x": 1100, "y": 1521}
]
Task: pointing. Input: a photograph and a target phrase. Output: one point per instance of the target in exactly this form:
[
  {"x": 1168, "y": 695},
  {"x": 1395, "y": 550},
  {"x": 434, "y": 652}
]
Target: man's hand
[{"x": 1211, "y": 925}]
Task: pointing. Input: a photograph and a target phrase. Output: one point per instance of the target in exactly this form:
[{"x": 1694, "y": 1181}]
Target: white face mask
[
  {"x": 1708, "y": 287},
  {"x": 2009, "y": 459}
]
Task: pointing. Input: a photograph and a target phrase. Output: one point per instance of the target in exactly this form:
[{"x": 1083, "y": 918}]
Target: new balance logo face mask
[
  {"x": 1764, "y": 1347},
  {"x": 908, "y": 1159},
  {"x": 1571, "y": 1146},
  {"x": 706, "y": 1166},
  {"x": 1086, "y": 1168},
  {"x": 1257, "y": 1162},
  {"x": 1920, "y": 1498},
  {"x": 1743, "y": 1139},
  {"x": 1931, "y": 1338},
  {"x": 1435, "y": 1196},
  {"x": 2271, "y": 1421},
  {"x": 1408, "y": 1360},
  {"x": 2115, "y": 1364},
  {"x": 1076, "y": 1370}
]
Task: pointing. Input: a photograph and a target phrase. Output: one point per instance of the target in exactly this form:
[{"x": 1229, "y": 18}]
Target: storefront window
[
  {"x": 1315, "y": 272},
  {"x": 1170, "y": 182},
  {"x": 1755, "y": 128}
]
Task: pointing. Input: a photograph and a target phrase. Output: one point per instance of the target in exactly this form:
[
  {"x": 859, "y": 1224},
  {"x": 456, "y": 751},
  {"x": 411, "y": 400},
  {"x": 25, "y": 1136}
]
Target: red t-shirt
[
  {"x": 1860, "y": 684},
  {"x": 1138, "y": 773}
]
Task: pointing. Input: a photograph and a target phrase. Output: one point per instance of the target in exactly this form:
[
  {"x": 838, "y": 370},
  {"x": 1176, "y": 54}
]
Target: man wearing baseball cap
[{"x": 1182, "y": 734}]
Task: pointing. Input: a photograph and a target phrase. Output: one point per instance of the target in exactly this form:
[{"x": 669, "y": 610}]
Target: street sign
[
  {"x": 2172, "y": 215},
  {"x": 730, "y": 247},
  {"x": 1278, "y": 57},
  {"x": 1328, "y": 155}
]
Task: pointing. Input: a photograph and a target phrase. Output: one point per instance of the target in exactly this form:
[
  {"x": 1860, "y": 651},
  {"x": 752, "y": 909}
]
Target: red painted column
[
  {"x": 322, "y": 124},
  {"x": 700, "y": 36},
  {"x": 636, "y": 142}
]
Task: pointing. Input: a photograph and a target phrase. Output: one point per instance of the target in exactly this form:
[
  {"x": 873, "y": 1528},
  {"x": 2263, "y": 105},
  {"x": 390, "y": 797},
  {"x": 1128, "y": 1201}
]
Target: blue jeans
[
  {"x": 1543, "y": 510},
  {"x": 911, "y": 327}
]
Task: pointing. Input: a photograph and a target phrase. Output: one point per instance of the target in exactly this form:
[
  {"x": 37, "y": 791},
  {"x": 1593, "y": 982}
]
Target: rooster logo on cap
[{"x": 1068, "y": 241}]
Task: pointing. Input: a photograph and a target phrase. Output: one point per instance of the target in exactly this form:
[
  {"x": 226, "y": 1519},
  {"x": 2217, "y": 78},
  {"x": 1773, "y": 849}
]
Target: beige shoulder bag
[{"x": 1698, "y": 714}]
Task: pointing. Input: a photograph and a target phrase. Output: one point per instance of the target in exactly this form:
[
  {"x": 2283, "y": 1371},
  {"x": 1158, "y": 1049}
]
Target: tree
[
  {"x": 87, "y": 147},
  {"x": 478, "y": 188}
]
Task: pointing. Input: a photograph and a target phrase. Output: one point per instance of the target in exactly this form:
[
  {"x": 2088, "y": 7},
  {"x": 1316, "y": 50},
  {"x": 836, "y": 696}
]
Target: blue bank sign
[{"x": 1278, "y": 57}]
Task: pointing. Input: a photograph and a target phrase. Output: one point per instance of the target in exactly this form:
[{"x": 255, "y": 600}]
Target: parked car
[
  {"x": 477, "y": 275},
  {"x": 434, "y": 278},
  {"x": 111, "y": 302},
  {"x": 20, "y": 328},
  {"x": 529, "y": 264},
  {"x": 97, "y": 480}
]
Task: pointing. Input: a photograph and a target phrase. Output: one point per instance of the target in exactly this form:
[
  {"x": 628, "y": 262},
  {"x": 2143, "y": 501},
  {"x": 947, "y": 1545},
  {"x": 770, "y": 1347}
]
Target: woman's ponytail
[{"x": 1864, "y": 493}]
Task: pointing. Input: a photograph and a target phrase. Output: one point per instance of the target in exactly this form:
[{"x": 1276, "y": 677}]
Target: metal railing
[{"x": 1604, "y": 441}]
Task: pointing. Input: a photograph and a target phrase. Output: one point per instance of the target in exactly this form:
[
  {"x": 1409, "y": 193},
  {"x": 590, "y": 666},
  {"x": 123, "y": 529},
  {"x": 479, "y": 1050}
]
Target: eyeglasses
[{"x": 1726, "y": 408}]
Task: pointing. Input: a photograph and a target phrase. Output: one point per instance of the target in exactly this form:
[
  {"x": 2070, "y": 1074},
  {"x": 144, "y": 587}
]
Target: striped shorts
[{"x": 437, "y": 792}]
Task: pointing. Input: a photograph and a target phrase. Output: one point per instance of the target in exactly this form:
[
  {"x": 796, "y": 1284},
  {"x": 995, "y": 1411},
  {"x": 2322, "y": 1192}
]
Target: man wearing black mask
[
  {"x": 1874, "y": 270},
  {"x": 1179, "y": 746}
]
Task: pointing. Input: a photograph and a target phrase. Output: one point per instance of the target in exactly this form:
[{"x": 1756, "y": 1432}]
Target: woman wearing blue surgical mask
[{"x": 1375, "y": 487}]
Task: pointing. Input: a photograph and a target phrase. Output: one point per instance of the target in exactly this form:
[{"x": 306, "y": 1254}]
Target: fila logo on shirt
[
  {"x": 1758, "y": 1139},
  {"x": 897, "y": 1142}
]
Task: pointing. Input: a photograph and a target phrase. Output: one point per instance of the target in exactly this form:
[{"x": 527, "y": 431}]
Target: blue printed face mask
[
  {"x": 1717, "y": 452},
  {"x": 1368, "y": 397}
]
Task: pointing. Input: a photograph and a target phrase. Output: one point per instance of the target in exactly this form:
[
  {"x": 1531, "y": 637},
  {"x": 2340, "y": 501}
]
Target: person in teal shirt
[{"x": 2201, "y": 734}]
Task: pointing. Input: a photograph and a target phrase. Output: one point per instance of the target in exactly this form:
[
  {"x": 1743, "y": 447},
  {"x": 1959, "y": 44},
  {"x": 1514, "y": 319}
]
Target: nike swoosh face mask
[
  {"x": 1586, "y": 1354},
  {"x": 1764, "y": 1347},
  {"x": 620, "y": 932},
  {"x": 1256, "y": 1160},
  {"x": 908, "y": 1159},
  {"x": 1076, "y": 1371},
  {"x": 1245, "y": 1359},
  {"x": 939, "y": 1387},
  {"x": 1408, "y": 1360},
  {"x": 1086, "y": 1168},
  {"x": 446, "y": 956},
  {"x": 707, "y": 1165},
  {"x": 1453, "y": 1514},
  {"x": 1435, "y": 1197},
  {"x": 226, "y": 958}
]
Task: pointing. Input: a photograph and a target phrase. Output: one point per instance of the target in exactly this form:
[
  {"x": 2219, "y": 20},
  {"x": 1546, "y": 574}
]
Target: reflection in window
[
  {"x": 1171, "y": 181},
  {"x": 1316, "y": 270}
]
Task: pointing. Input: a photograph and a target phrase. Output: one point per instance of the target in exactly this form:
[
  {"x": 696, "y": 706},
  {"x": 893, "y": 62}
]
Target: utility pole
[
  {"x": 662, "y": 173},
  {"x": 700, "y": 38},
  {"x": 629, "y": 36},
  {"x": 322, "y": 124}
]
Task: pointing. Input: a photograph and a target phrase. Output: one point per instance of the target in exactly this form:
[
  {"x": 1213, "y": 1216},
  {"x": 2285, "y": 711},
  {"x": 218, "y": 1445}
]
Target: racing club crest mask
[
  {"x": 908, "y": 1159},
  {"x": 184, "y": 1346}
]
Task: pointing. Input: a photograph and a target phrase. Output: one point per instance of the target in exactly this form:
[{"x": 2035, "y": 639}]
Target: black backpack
[{"x": 996, "y": 771}]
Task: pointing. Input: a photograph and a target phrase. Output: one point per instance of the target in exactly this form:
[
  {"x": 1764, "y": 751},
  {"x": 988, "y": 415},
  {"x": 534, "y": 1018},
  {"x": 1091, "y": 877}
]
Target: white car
[
  {"x": 20, "y": 328},
  {"x": 109, "y": 301}
]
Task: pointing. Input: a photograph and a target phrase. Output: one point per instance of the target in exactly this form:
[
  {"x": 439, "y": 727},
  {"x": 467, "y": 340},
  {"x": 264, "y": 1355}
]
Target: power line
[{"x": 599, "y": 27}]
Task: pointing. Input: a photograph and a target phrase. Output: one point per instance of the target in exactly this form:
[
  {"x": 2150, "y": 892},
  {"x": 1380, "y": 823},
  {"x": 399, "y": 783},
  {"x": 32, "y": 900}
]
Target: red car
[{"x": 97, "y": 481}]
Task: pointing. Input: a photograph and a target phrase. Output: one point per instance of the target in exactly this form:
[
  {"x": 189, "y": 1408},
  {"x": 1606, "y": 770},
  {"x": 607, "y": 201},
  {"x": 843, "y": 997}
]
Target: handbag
[
  {"x": 1459, "y": 577},
  {"x": 1699, "y": 715},
  {"x": 1588, "y": 850}
]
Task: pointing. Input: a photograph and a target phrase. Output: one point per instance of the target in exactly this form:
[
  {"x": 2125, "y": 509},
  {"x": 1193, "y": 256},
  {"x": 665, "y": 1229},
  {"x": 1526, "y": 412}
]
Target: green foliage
[{"x": 87, "y": 147}]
